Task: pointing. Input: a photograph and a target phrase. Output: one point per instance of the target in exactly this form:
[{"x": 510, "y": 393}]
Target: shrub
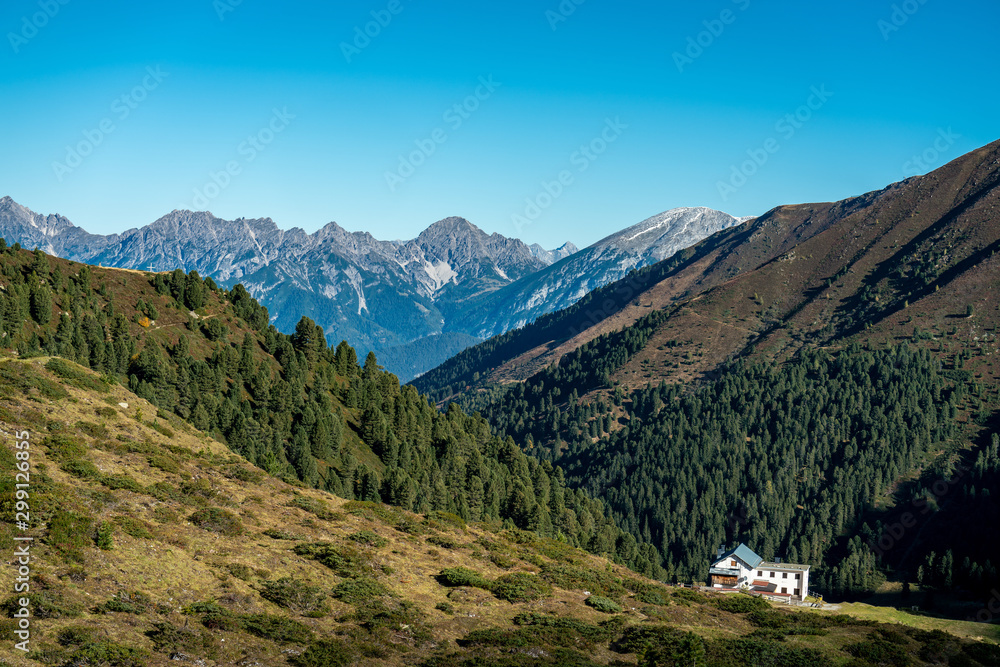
[
  {"x": 572, "y": 577},
  {"x": 741, "y": 604},
  {"x": 106, "y": 413},
  {"x": 165, "y": 463},
  {"x": 325, "y": 653},
  {"x": 768, "y": 618},
  {"x": 125, "y": 602},
  {"x": 134, "y": 527},
  {"x": 243, "y": 474},
  {"x": 279, "y": 629},
  {"x": 109, "y": 654},
  {"x": 68, "y": 534},
  {"x": 217, "y": 520},
  {"x": 61, "y": 447},
  {"x": 463, "y": 576},
  {"x": 294, "y": 594},
  {"x": 76, "y": 636},
  {"x": 603, "y": 604},
  {"x": 447, "y": 518},
  {"x": 42, "y": 604},
  {"x": 92, "y": 429},
  {"x": 521, "y": 587},
  {"x": 165, "y": 515},
  {"x": 118, "y": 482},
  {"x": 363, "y": 589},
  {"x": 169, "y": 639},
  {"x": 880, "y": 652},
  {"x": 446, "y": 607},
  {"x": 985, "y": 654},
  {"x": 368, "y": 538},
  {"x": 345, "y": 561},
  {"x": 75, "y": 375},
  {"x": 653, "y": 596},
  {"x": 105, "y": 536},
  {"x": 82, "y": 469},
  {"x": 687, "y": 595}
]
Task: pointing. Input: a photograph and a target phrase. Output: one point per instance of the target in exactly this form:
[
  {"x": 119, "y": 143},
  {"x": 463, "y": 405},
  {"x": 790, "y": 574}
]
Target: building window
[
  {"x": 772, "y": 575},
  {"x": 733, "y": 563},
  {"x": 784, "y": 575},
  {"x": 759, "y": 573},
  {"x": 796, "y": 591},
  {"x": 797, "y": 577},
  {"x": 784, "y": 590}
]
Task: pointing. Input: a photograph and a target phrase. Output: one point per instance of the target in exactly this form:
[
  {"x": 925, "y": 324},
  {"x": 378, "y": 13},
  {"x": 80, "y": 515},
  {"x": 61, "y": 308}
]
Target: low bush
[
  {"x": 125, "y": 602},
  {"x": 295, "y": 594},
  {"x": 134, "y": 527},
  {"x": 345, "y": 561},
  {"x": 169, "y": 639},
  {"x": 75, "y": 375},
  {"x": 572, "y": 577},
  {"x": 279, "y": 629},
  {"x": 165, "y": 463},
  {"x": 43, "y": 605},
  {"x": 463, "y": 576},
  {"x": 686, "y": 595},
  {"x": 326, "y": 653},
  {"x": 61, "y": 447},
  {"x": 109, "y": 654},
  {"x": 603, "y": 604},
  {"x": 368, "y": 538},
  {"x": 880, "y": 652},
  {"x": 740, "y": 604},
  {"x": 68, "y": 533},
  {"x": 362, "y": 589},
  {"x": 217, "y": 520},
  {"x": 521, "y": 587},
  {"x": 105, "y": 537},
  {"x": 81, "y": 468}
]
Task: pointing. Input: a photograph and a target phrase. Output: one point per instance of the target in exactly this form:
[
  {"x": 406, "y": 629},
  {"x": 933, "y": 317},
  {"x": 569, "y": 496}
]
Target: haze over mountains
[{"x": 415, "y": 303}]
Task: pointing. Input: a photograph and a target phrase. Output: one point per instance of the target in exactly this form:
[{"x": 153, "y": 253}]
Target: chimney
[
  {"x": 778, "y": 561},
  {"x": 722, "y": 550}
]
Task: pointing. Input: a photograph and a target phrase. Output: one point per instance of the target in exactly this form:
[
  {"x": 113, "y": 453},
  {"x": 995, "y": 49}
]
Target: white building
[{"x": 741, "y": 568}]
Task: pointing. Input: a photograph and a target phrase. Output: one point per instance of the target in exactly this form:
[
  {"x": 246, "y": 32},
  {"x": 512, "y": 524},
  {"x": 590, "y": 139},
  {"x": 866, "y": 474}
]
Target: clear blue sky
[{"x": 895, "y": 92}]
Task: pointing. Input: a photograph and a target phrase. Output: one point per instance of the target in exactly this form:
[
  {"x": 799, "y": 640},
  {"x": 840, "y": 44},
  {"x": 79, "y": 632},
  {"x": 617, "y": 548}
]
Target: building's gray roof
[{"x": 782, "y": 566}]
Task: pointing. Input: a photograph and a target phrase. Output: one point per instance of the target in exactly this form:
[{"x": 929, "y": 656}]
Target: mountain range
[{"x": 415, "y": 303}]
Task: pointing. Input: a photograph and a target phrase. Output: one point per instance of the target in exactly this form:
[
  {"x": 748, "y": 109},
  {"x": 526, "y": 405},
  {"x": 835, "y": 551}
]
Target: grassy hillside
[{"x": 156, "y": 544}]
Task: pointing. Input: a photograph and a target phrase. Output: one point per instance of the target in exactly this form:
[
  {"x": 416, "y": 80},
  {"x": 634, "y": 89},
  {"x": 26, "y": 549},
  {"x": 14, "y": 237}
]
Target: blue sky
[{"x": 572, "y": 120}]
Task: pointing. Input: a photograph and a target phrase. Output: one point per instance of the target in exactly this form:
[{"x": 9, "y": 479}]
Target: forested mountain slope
[
  {"x": 919, "y": 253},
  {"x": 799, "y": 383},
  {"x": 289, "y": 404}
]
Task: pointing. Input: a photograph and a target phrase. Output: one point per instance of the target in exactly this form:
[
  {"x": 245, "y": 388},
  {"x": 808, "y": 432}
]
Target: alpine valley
[{"x": 819, "y": 383}]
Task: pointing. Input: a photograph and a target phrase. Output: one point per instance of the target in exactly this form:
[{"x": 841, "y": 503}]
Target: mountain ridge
[{"x": 415, "y": 300}]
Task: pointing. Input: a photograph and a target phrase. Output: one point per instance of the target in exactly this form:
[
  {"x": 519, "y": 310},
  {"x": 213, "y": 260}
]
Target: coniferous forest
[{"x": 293, "y": 405}]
